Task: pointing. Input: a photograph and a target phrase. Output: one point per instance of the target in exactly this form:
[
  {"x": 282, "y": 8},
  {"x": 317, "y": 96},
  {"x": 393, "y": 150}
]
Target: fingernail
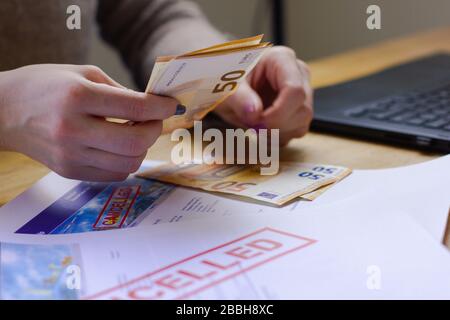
[
  {"x": 180, "y": 110},
  {"x": 249, "y": 108}
]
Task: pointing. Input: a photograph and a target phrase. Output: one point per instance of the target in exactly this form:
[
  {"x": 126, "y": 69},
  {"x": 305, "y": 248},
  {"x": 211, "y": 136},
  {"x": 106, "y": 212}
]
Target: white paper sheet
[
  {"x": 367, "y": 254},
  {"x": 423, "y": 191}
]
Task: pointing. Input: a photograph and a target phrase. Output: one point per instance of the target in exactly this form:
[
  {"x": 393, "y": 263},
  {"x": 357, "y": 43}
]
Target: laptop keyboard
[{"x": 429, "y": 109}]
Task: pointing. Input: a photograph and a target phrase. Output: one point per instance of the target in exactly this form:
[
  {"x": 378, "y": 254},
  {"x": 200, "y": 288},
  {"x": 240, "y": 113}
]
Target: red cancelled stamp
[
  {"x": 117, "y": 207},
  {"x": 206, "y": 269}
]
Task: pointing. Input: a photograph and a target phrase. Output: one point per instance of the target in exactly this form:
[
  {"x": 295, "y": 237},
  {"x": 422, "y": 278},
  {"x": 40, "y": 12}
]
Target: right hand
[{"x": 57, "y": 114}]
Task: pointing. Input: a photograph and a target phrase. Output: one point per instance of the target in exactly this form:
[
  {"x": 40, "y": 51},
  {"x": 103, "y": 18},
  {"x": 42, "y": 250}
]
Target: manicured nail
[
  {"x": 250, "y": 108},
  {"x": 180, "y": 110}
]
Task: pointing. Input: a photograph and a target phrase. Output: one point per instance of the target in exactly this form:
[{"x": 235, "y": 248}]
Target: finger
[
  {"x": 228, "y": 115},
  {"x": 287, "y": 104},
  {"x": 306, "y": 77},
  {"x": 292, "y": 79},
  {"x": 246, "y": 105},
  {"x": 283, "y": 68},
  {"x": 113, "y": 102},
  {"x": 112, "y": 162},
  {"x": 120, "y": 138},
  {"x": 97, "y": 75},
  {"x": 298, "y": 127},
  {"x": 86, "y": 173},
  {"x": 297, "y": 124}
]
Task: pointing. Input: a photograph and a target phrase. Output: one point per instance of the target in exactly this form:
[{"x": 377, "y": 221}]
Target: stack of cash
[
  {"x": 294, "y": 180},
  {"x": 202, "y": 79}
]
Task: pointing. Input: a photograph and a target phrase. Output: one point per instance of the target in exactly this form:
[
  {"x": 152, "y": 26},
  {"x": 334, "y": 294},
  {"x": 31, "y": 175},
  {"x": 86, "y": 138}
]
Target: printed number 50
[
  {"x": 229, "y": 81},
  {"x": 232, "y": 186}
]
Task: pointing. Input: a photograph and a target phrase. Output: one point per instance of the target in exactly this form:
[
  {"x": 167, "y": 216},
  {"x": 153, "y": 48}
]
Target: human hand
[
  {"x": 57, "y": 114},
  {"x": 276, "y": 95}
]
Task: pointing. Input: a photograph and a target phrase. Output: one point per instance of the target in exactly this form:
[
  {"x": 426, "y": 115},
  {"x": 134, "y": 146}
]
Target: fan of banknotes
[
  {"x": 202, "y": 79},
  {"x": 294, "y": 180}
]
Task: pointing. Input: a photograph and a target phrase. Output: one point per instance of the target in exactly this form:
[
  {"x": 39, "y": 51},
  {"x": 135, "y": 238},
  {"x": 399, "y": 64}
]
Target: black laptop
[{"x": 407, "y": 104}]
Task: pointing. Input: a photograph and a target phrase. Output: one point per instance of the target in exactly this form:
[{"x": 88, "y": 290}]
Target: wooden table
[{"x": 17, "y": 172}]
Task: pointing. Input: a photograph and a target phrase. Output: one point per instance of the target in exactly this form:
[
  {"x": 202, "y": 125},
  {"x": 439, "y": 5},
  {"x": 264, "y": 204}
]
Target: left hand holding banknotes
[
  {"x": 57, "y": 114},
  {"x": 276, "y": 95}
]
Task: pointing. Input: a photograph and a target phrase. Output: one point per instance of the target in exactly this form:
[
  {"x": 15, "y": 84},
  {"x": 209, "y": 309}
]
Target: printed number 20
[{"x": 229, "y": 81}]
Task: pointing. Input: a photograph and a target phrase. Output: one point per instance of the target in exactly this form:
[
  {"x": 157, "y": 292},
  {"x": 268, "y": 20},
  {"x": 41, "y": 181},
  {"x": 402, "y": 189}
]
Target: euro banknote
[
  {"x": 202, "y": 79},
  {"x": 293, "y": 180}
]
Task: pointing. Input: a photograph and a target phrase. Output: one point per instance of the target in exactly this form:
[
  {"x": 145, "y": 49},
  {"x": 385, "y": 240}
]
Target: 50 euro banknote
[
  {"x": 292, "y": 181},
  {"x": 202, "y": 79}
]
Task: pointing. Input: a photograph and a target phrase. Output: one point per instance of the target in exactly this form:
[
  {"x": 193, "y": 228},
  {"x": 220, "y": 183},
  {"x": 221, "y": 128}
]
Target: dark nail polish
[
  {"x": 250, "y": 108},
  {"x": 180, "y": 110}
]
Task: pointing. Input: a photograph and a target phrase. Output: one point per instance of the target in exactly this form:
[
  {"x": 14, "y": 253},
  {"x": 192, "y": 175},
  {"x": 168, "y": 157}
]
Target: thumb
[{"x": 246, "y": 105}]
